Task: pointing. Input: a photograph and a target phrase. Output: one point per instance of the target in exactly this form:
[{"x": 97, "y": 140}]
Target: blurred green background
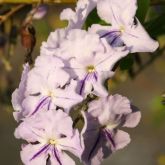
[{"x": 144, "y": 89}]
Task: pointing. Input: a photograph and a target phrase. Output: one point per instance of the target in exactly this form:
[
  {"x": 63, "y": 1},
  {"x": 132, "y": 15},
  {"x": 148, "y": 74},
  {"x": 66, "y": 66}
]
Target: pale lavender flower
[
  {"x": 125, "y": 28},
  {"x": 77, "y": 18},
  {"x": 49, "y": 135},
  {"x": 101, "y": 133},
  {"x": 48, "y": 88},
  {"x": 91, "y": 59},
  {"x": 19, "y": 94}
]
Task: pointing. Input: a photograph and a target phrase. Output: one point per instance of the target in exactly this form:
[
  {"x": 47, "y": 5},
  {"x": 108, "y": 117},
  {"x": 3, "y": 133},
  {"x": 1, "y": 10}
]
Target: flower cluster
[{"x": 70, "y": 73}]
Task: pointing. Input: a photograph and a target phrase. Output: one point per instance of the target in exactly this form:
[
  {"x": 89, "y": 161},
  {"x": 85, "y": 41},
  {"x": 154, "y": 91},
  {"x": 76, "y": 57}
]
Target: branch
[
  {"x": 3, "y": 18},
  {"x": 36, "y": 1},
  {"x": 155, "y": 3}
]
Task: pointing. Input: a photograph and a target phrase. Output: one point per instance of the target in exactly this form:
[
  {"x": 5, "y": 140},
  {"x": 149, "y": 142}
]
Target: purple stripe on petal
[
  {"x": 40, "y": 152},
  {"x": 114, "y": 39},
  {"x": 39, "y": 105},
  {"x": 109, "y": 33},
  {"x": 55, "y": 153},
  {"x": 95, "y": 76},
  {"x": 90, "y": 76},
  {"x": 49, "y": 104},
  {"x": 95, "y": 145},
  {"x": 83, "y": 84},
  {"x": 109, "y": 137}
]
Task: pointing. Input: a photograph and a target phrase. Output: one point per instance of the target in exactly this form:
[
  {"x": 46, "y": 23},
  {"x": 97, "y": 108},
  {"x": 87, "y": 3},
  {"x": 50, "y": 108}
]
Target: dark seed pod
[{"x": 28, "y": 40}]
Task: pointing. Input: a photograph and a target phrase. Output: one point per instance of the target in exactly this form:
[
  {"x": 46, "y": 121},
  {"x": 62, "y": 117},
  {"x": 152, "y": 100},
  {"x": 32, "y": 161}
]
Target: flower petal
[
  {"x": 76, "y": 19},
  {"x": 29, "y": 151},
  {"x": 72, "y": 144},
  {"x": 19, "y": 94},
  {"x": 132, "y": 119},
  {"x": 121, "y": 139},
  {"x": 138, "y": 40},
  {"x": 60, "y": 158},
  {"x": 116, "y": 12},
  {"x": 95, "y": 142}
]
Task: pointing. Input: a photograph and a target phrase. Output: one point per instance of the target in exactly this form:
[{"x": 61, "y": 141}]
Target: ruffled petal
[
  {"x": 19, "y": 94},
  {"x": 28, "y": 132},
  {"x": 76, "y": 19}
]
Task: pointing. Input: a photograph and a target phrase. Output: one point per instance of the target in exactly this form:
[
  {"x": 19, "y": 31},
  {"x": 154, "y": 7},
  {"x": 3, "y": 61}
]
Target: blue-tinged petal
[{"x": 95, "y": 142}]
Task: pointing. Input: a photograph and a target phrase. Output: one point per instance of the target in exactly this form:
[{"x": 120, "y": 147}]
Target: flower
[
  {"x": 94, "y": 63},
  {"x": 48, "y": 86},
  {"x": 125, "y": 28},
  {"x": 76, "y": 19},
  {"x": 101, "y": 133},
  {"x": 49, "y": 134},
  {"x": 19, "y": 94}
]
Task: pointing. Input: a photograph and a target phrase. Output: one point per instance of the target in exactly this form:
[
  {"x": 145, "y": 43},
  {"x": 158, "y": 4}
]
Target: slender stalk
[
  {"x": 36, "y": 1},
  {"x": 159, "y": 2}
]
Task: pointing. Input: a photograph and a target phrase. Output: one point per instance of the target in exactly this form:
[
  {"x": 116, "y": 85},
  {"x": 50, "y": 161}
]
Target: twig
[
  {"x": 155, "y": 3},
  {"x": 36, "y": 1},
  {"x": 3, "y": 18}
]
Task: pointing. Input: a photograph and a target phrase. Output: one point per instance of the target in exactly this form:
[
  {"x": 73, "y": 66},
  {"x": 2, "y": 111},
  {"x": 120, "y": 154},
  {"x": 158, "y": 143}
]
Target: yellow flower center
[
  {"x": 51, "y": 94},
  {"x": 90, "y": 69},
  {"x": 112, "y": 125},
  {"x": 122, "y": 29},
  {"x": 52, "y": 141}
]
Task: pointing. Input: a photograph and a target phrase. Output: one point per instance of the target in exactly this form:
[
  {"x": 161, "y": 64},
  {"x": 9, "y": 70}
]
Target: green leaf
[
  {"x": 127, "y": 62},
  {"x": 156, "y": 27},
  {"x": 143, "y": 6},
  {"x": 158, "y": 111}
]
